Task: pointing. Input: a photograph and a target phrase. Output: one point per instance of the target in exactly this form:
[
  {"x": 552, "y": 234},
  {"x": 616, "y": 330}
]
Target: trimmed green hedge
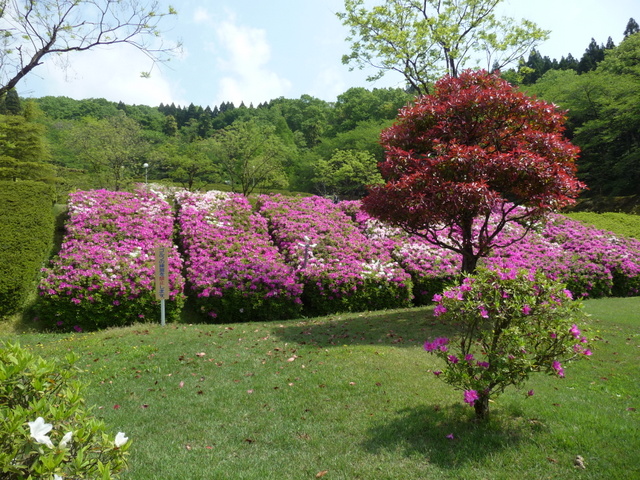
[{"x": 26, "y": 234}]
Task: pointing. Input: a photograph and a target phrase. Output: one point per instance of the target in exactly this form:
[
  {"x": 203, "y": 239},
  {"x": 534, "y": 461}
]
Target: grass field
[
  {"x": 352, "y": 397},
  {"x": 620, "y": 223}
]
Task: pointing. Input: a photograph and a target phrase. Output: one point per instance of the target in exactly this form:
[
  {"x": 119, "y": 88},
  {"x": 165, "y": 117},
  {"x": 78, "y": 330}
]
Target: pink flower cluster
[
  {"x": 339, "y": 266},
  {"x": 429, "y": 266},
  {"x": 105, "y": 269},
  {"x": 233, "y": 268},
  {"x": 590, "y": 261}
]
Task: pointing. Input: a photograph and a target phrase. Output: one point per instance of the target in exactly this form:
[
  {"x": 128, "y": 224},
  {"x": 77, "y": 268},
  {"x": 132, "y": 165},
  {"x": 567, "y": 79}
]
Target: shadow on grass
[
  {"x": 400, "y": 328},
  {"x": 450, "y": 436}
]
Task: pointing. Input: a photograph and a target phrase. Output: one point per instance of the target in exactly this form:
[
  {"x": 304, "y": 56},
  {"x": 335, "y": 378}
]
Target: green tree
[
  {"x": 308, "y": 116},
  {"x": 592, "y": 56},
  {"x": 603, "y": 117},
  {"x": 632, "y": 27},
  {"x": 33, "y": 30},
  {"x": 568, "y": 63},
  {"x": 625, "y": 58},
  {"x": 113, "y": 146},
  {"x": 24, "y": 152},
  {"x": 365, "y": 137},
  {"x": 346, "y": 174},
  {"x": 10, "y": 104},
  {"x": 250, "y": 155},
  {"x": 190, "y": 164},
  {"x": 358, "y": 105},
  {"x": 424, "y": 39},
  {"x": 170, "y": 127},
  {"x": 537, "y": 66}
]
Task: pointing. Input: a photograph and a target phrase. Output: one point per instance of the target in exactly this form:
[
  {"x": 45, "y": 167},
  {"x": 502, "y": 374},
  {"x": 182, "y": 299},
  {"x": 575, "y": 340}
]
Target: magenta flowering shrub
[
  {"x": 431, "y": 268},
  {"x": 591, "y": 262},
  {"x": 233, "y": 269},
  {"x": 340, "y": 268},
  {"x": 582, "y": 275},
  {"x": 511, "y": 324},
  {"x": 617, "y": 256},
  {"x": 104, "y": 273}
]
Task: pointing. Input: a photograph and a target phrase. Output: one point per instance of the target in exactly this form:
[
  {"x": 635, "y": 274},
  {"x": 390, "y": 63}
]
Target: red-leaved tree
[{"x": 470, "y": 158}]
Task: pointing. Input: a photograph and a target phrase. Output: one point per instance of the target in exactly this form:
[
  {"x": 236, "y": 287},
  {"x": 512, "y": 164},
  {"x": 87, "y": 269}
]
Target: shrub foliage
[
  {"x": 70, "y": 442},
  {"x": 26, "y": 235}
]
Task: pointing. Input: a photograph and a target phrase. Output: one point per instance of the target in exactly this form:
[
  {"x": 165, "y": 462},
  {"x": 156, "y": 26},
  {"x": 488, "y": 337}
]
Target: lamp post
[{"x": 146, "y": 172}]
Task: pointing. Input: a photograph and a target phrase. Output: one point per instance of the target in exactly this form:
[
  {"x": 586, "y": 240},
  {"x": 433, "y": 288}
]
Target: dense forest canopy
[{"x": 307, "y": 144}]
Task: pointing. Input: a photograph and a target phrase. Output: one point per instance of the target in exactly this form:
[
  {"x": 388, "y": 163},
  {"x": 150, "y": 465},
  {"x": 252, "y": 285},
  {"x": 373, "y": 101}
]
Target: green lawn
[
  {"x": 620, "y": 223},
  {"x": 352, "y": 395}
]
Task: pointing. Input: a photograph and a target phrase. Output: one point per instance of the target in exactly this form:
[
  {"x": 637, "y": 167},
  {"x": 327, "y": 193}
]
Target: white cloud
[
  {"x": 243, "y": 58},
  {"x": 329, "y": 83},
  {"x": 201, "y": 15},
  {"x": 112, "y": 73}
]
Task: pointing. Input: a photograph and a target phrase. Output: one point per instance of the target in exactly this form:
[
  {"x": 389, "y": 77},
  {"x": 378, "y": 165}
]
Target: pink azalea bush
[
  {"x": 619, "y": 256},
  {"x": 104, "y": 273},
  {"x": 512, "y": 323},
  {"x": 591, "y": 262},
  {"x": 245, "y": 264},
  {"x": 233, "y": 269},
  {"x": 431, "y": 267},
  {"x": 340, "y": 268}
]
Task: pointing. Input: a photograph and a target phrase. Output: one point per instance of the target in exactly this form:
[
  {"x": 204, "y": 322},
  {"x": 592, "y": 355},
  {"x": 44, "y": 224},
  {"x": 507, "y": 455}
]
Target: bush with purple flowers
[
  {"x": 292, "y": 255},
  {"x": 512, "y": 323},
  {"x": 104, "y": 272},
  {"x": 233, "y": 269},
  {"x": 591, "y": 262},
  {"x": 431, "y": 268},
  {"x": 340, "y": 268}
]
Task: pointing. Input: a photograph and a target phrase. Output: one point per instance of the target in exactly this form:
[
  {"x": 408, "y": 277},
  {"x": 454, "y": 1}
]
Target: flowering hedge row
[
  {"x": 292, "y": 256},
  {"x": 431, "y": 268},
  {"x": 233, "y": 268},
  {"x": 105, "y": 270},
  {"x": 339, "y": 267},
  {"x": 590, "y": 261},
  {"x": 616, "y": 255}
]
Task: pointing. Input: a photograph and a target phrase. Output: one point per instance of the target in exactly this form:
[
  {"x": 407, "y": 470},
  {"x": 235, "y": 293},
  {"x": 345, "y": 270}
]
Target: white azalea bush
[{"x": 46, "y": 430}]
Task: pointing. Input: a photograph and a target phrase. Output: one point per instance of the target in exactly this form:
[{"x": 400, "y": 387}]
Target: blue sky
[{"x": 258, "y": 50}]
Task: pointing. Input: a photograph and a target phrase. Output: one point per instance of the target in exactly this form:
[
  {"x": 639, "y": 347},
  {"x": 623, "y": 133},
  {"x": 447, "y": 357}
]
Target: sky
[{"x": 253, "y": 51}]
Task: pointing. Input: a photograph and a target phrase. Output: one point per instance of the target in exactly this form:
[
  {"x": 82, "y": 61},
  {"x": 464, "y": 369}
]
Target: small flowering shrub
[
  {"x": 340, "y": 268},
  {"x": 512, "y": 323},
  {"x": 46, "y": 430},
  {"x": 104, "y": 273},
  {"x": 233, "y": 269}
]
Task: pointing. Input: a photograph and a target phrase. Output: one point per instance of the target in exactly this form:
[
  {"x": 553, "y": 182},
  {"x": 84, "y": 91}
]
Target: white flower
[
  {"x": 56, "y": 477},
  {"x": 120, "y": 439},
  {"x": 39, "y": 431},
  {"x": 65, "y": 440}
]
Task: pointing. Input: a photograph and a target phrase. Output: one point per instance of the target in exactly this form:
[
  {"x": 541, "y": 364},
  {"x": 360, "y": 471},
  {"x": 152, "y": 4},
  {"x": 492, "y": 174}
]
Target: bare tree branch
[{"x": 31, "y": 30}]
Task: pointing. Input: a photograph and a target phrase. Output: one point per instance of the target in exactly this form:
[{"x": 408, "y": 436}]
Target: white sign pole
[{"x": 162, "y": 280}]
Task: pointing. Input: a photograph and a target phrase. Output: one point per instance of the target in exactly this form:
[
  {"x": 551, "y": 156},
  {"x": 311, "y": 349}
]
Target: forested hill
[
  {"x": 307, "y": 144},
  {"x": 281, "y": 144}
]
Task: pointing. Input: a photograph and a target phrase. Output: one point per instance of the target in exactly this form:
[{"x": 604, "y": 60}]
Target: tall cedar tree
[{"x": 474, "y": 149}]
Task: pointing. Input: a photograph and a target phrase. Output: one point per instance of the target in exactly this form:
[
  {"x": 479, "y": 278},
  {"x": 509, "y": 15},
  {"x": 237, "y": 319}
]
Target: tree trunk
[
  {"x": 481, "y": 405},
  {"x": 469, "y": 258},
  {"x": 469, "y": 262}
]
